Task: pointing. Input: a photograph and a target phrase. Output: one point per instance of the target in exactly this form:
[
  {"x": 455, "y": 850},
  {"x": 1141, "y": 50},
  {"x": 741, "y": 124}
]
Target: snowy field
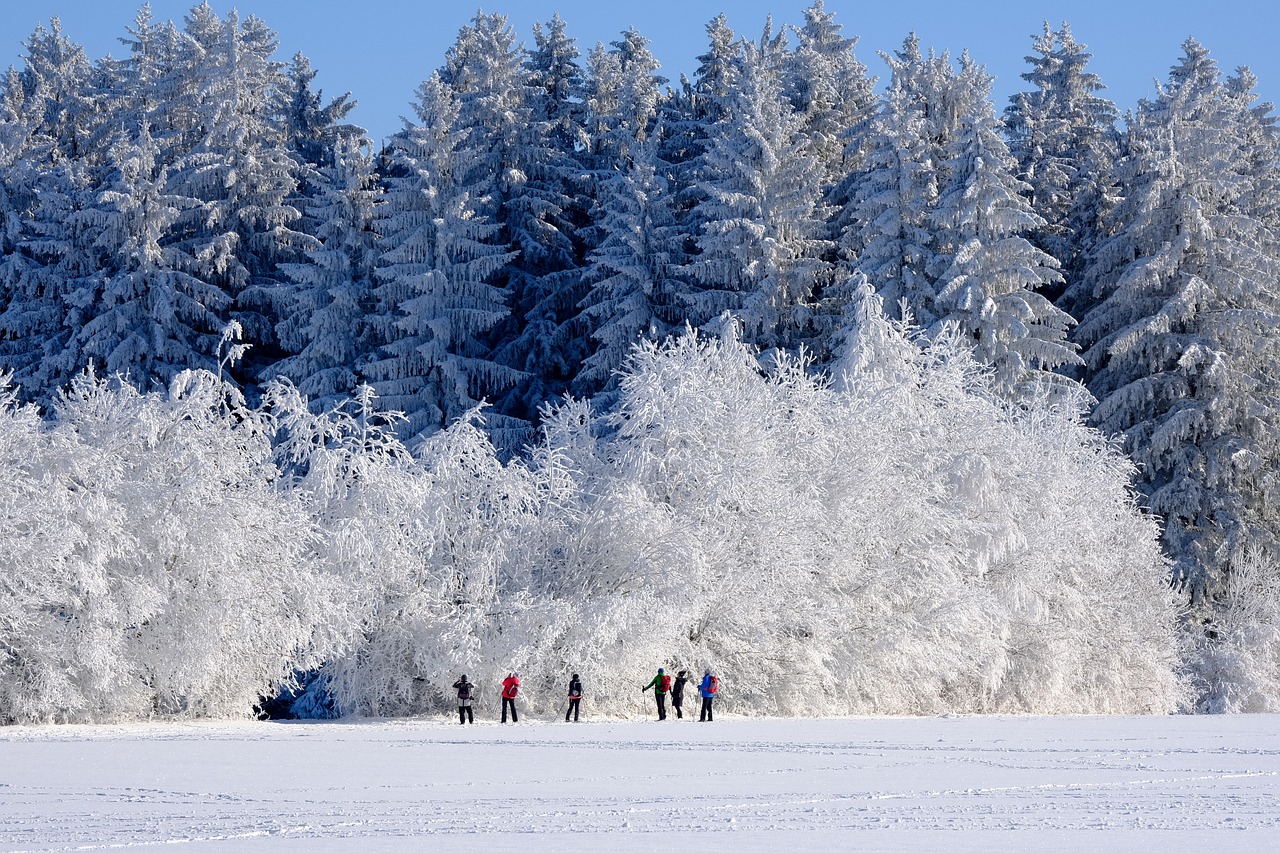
[{"x": 949, "y": 783}]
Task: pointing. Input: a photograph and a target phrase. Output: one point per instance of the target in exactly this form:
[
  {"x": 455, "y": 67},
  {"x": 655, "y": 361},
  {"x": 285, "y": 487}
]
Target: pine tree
[
  {"x": 239, "y": 168},
  {"x": 832, "y": 93},
  {"x": 1064, "y": 138},
  {"x": 988, "y": 274},
  {"x": 333, "y": 289},
  {"x": 761, "y": 220},
  {"x": 517, "y": 181},
  {"x": 631, "y": 272},
  {"x": 48, "y": 268},
  {"x": 623, "y": 98},
  {"x": 885, "y": 227},
  {"x": 1180, "y": 347},
  {"x": 435, "y": 303},
  {"x": 151, "y": 319}
]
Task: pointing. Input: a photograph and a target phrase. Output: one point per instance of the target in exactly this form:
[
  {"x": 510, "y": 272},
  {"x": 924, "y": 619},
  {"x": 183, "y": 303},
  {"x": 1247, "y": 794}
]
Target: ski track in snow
[{"x": 963, "y": 783}]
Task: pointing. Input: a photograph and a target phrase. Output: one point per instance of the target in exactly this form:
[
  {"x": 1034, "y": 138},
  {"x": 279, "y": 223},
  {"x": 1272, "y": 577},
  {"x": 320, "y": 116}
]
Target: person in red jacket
[{"x": 510, "y": 687}]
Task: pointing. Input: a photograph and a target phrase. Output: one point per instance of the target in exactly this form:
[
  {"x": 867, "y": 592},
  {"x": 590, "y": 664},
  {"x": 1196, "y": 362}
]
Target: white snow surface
[{"x": 954, "y": 783}]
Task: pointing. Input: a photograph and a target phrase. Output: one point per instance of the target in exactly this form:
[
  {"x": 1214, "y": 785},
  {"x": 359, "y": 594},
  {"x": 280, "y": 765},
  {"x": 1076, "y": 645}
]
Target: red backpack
[
  {"x": 715, "y": 685},
  {"x": 666, "y": 684}
]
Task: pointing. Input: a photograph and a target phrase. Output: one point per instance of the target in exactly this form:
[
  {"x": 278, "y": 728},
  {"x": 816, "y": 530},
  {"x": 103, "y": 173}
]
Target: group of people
[
  {"x": 467, "y": 691},
  {"x": 663, "y": 686}
]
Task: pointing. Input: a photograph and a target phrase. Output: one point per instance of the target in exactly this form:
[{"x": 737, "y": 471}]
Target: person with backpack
[
  {"x": 661, "y": 685},
  {"x": 465, "y": 690},
  {"x": 677, "y": 692},
  {"x": 510, "y": 687},
  {"x": 575, "y": 698},
  {"x": 709, "y": 687}
]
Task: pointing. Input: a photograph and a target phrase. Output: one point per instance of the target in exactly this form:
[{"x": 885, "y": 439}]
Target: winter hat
[
  {"x": 661, "y": 670},
  {"x": 575, "y": 675}
]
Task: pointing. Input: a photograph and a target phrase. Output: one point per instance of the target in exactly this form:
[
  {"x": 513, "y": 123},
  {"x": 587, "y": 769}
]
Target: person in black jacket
[
  {"x": 677, "y": 692},
  {"x": 575, "y": 698},
  {"x": 465, "y": 690}
]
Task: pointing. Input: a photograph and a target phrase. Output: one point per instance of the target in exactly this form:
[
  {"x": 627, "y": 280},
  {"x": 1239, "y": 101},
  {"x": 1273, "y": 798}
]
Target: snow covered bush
[
  {"x": 903, "y": 545},
  {"x": 1236, "y": 659},
  {"x": 151, "y": 566},
  {"x": 428, "y": 543}
]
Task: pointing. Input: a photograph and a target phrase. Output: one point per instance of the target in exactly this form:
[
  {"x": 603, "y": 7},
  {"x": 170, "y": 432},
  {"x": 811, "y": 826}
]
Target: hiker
[
  {"x": 510, "y": 687},
  {"x": 661, "y": 685},
  {"x": 710, "y": 684},
  {"x": 575, "y": 698},
  {"x": 465, "y": 690},
  {"x": 677, "y": 692}
]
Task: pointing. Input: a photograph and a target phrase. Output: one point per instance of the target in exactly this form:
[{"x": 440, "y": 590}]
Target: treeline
[
  {"x": 900, "y": 543},
  {"x": 547, "y": 208}
]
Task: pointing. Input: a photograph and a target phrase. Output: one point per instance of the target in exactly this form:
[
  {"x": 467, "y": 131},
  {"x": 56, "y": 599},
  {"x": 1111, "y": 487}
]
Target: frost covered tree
[
  {"x": 1063, "y": 135},
  {"x": 939, "y": 225},
  {"x": 438, "y": 256},
  {"x": 760, "y": 221},
  {"x": 623, "y": 97},
  {"x": 150, "y": 318},
  {"x": 687, "y": 115},
  {"x": 239, "y": 168},
  {"x": 1235, "y": 661},
  {"x": 47, "y": 173},
  {"x": 519, "y": 183},
  {"x": 885, "y": 229},
  {"x": 153, "y": 569},
  {"x": 430, "y": 540},
  {"x": 831, "y": 92},
  {"x": 313, "y": 128},
  {"x": 807, "y": 535},
  {"x": 990, "y": 275},
  {"x": 1180, "y": 346},
  {"x": 334, "y": 288},
  {"x": 631, "y": 273},
  {"x": 557, "y": 82}
]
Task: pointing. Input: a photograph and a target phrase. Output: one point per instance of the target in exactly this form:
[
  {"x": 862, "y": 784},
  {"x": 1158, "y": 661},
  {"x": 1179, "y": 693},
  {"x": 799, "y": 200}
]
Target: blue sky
[{"x": 381, "y": 49}]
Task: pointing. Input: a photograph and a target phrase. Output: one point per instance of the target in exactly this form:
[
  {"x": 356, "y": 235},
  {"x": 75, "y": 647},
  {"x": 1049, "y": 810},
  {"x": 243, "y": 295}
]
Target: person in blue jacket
[{"x": 710, "y": 684}]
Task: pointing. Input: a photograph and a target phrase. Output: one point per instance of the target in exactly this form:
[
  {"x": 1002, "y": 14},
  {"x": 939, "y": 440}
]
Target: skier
[
  {"x": 661, "y": 685},
  {"x": 575, "y": 698},
  {"x": 465, "y": 689},
  {"x": 510, "y": 687},
  {"x": 710, "y": 685},
  {"x": 677, "y": 691}
]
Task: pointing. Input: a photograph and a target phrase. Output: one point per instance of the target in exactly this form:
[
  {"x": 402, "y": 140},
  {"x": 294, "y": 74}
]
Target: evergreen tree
[
  {"x": 48, "y": 268},
  {"x": 989, "y": 274},
  {"x": 438, "y": 254},
  {"x": 1180, "y": 347},
  {"x": 885, "y": 224},
  {"x": 831, "y": 92},
  {"x": 150, "y": 319},
  {"x": 517, "y": 181},
  {"x": 1064, "y": 138},
  {"x": 631, "y": 272},
  {"x": 333, "y": 289},
  {"x": 761, "y": 219},
  {"x": 242, "y": 173},
  {"x": 623, "y": 97}
]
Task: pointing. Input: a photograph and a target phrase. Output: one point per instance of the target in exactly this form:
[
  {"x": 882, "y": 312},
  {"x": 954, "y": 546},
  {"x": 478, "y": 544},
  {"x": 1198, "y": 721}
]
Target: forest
[{"x": 786, "y": 369}]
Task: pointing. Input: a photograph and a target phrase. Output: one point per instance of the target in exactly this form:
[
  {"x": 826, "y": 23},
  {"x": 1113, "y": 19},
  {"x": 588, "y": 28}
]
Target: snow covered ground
[{"x": 949, "y": 783}]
